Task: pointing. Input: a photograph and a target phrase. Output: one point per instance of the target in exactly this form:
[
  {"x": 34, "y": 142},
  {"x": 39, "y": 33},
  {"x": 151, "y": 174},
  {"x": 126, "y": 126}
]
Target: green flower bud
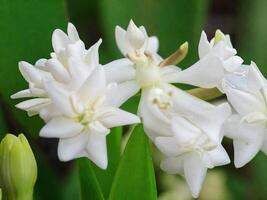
[{"x": 18, "y": 168}]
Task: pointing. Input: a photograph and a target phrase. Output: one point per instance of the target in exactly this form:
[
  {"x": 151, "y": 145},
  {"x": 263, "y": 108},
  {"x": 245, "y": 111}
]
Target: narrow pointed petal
[
  {"x": 72, "y": 33},
  {"x": 22, "y": 94},
  {"x": 135, "y": 36},
  {"x": 207, "y": 73},
  {"x": 119, "y": 70},
  {"x": 30, "y": 73},
  {"x": 173, "y": 165},
  {"x": 59, "y": 40},
  {"x": 33, "y": 104},
  {"x": 73, "y": 147},
  {"x": 97, "y": 148},
  {"x": 195, "y": 173},
  {"x": 61, "y": 127},
  {"x": 92, "y": 56},
  {"x": 122, "y": 43},
  {"x": 120, "y": 93},
  {"x": 204, "y": 46},
  {"x": 116, "y": 117}
]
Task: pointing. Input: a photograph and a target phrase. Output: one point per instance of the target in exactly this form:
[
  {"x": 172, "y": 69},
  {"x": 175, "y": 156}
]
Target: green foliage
[
  {"x": 26, "y": 28},
  {"x": 252, "y": 31},
  {"x": 135, "y": 178},
  {"x": 90, "y": 188},
  {"x": 105, "y": 177}
]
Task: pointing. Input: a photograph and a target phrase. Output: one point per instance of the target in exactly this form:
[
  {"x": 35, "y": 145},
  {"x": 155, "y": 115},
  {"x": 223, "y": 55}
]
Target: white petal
[
  {"x": 169, "y": 74},
  {"x": 58, "y": 70},
  {"x": 195, "y": 173},
  {"x": 71, "y": 148},
  {"x": 248, "y": 139},
  {"x": 59, "y": 98},
  {"x": 173, "y": 165},
  {"x": 117, "y": 94},
  {"x": 114, "y": 117},
  {"x": 30, "y": 73},
  {"x": 59, "y": 40},
  {"x": 207, "y": 73},
  {"x": 135, "y": 36},
  {"x": 168, "y": 146},
  {"x": 31, "y": 104},
  {"x": 153, "y": 44},
  {"x": 184, "y": 130},
  {"x": 204, "y": 115},
  {"x": 94, "y": 86},
  {"x": 219, "y": 156},
  {"x": 204, "y": 46},
  {"x": 22, "y": 94},
  {"x": 233, "y": 63},
  {"x": 119, "y": 70},
  {"x": 72, "y": 33},
  {"x": 61, "y": 127},
  {"x": 122, "y": 43},
  {"x": 97, "y": 149},
  {"x": 155, "y": 122},
  {"x": 245, "y": 151},
  {"x": 243, "y": 102},
  {"x": 92, "y": 56}
]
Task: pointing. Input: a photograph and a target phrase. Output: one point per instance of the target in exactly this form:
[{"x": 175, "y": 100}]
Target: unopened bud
[{"x": 18, "y": 168}]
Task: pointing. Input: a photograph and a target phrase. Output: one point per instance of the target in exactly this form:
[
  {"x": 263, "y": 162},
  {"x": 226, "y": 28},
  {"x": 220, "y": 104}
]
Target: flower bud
[{"x": 18, "y": 168}]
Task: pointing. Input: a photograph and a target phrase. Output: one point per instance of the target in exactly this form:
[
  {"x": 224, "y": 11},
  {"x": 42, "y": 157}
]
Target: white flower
[
  {"x": 70, "y": 65},
  {"x": 247, "y": 93},
  {"x": 186, "y": 130},
  {"x": 217, "y": 58},
  {"x": 135, "y": 39},
  {"x": 85, "y": 118},
  {"x": 160, "y": 107},
  {"x": 141, "y": 68}
]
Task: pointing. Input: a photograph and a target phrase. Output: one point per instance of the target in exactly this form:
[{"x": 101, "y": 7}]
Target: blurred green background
[{"x": 25, "y": 34}]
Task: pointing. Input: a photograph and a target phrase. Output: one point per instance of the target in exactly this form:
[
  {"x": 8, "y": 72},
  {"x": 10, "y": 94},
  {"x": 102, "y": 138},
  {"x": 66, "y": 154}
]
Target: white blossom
[
  {"x": 186, "y": 130},
  {"x": 216, "y": 59},
  {"x": 71, "y": 94},
  {"x": 70, "y": 65},
  {"x": 247, "y": 93}
]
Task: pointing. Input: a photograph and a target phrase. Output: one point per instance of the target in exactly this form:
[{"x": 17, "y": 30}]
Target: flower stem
[{"x": 205, "y": 94}]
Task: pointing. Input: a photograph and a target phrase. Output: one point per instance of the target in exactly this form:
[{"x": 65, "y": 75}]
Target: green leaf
[
  {"x": 26, "y": 29},
  {"x": 252, "y": 34},
  {"x": 105, "y": 177},
  {"x": 135, "y": 177},
  {"x": 90, "y": 188}
]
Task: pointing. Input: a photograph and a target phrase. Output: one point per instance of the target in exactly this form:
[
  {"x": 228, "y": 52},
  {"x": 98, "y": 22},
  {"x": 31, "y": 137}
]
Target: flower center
[
  {"x": 161, "y": 99},
  {"x": 147, "y": 71}
]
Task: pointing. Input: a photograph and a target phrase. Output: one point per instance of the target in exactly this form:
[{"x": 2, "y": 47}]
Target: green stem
[{"x": 205, "y": 94}]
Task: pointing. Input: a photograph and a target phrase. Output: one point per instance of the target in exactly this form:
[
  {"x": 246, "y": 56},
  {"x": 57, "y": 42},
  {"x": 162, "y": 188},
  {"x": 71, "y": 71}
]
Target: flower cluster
[{"x": 79, "y": 100}]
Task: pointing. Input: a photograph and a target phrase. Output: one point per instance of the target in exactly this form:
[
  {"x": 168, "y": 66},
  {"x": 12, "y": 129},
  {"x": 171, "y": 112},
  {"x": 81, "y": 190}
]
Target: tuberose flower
[
  {"x": 70, "y": 65},
  {"x": 73, "y": 97},
  {"x": 247, "y": 127},
  {"x": 186, "y": 130},
  {"x": 216, "y": 59}
]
